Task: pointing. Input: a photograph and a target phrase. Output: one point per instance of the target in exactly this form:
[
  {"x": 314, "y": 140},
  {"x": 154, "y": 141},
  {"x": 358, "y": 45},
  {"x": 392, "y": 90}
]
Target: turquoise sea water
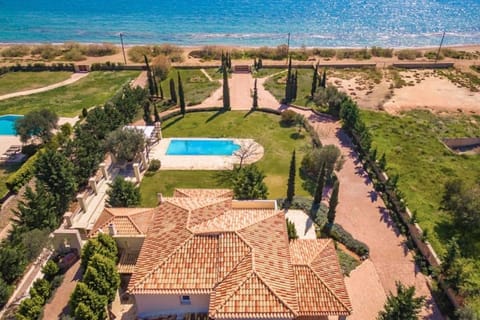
[
  {"x": 199, "y": 147},
  {"x": 329, "y": 23},
  {"x": 7, "y": 125}
]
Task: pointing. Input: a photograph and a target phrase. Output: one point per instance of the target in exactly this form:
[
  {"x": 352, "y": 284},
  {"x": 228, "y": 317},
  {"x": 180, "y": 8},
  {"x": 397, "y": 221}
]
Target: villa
[{"x": 200, "y": 251}]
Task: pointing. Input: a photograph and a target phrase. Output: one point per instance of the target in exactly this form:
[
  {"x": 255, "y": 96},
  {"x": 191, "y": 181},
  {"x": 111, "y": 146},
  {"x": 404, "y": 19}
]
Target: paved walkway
[
  {"x": 363, "y": 213},
  {"x": 303, "y": 224},
  {"x": 59, "y": 303},
  {"x": 73, "y": 78}
]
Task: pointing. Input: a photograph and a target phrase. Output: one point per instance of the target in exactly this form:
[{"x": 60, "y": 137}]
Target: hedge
[{"x": 20, "y": 177}]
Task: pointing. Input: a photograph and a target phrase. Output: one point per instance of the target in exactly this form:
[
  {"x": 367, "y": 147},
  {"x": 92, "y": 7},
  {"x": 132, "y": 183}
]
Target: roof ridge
[
  {"x": 274, "y": 293},
  {"x": 241, "y": 283},
  {"x": 161, "y": 263},
  {"x": 134, "y": 224},
  {"x": 319, "y": 251},
  {"x": 100, "y": 227},
  {"x": 328, "y": 288},
  {"x": 275, "y": 212}
]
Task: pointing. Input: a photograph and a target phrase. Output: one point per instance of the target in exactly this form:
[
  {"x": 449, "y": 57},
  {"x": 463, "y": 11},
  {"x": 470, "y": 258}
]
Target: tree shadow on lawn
[
  {"x": 215, "y": 115},
  {"x": 172, "y": 123}
]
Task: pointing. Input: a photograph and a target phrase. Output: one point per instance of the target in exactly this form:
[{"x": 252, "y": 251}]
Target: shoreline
[{"x": 472, "y": 46}]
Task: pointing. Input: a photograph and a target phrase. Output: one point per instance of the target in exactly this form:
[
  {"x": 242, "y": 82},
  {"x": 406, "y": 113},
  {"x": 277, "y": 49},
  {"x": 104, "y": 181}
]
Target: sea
[{"x": 320, "y": 23}]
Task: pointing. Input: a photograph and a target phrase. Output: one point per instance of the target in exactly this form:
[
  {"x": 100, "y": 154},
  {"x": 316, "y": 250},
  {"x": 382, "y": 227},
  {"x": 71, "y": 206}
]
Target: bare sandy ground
[{"x": 435, "y": 94}]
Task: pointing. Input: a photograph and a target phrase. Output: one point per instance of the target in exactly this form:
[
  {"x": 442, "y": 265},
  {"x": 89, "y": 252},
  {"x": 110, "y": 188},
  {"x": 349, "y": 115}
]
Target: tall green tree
[
  {"x": 95, "y": 302},
  {"x": 123, "y": 193},
  {"x": 291, "y": 178},
  {"x": 332, "y": 204},
  {"x": 226, "y": 91},
  {"x": 314, "y": 81},
  {"x": 288, "y": 85},
  {"x": 151, "y": 83},
  {"x": 255, "y": 96},
  {"x": 102, "y": 276},
  {"x": 402, "y": 306},
  {"x": 291, "y": 230},
  {"x": 103, "y": 244},
  {"x": 320, "y": 185},
  {"x": 5, "y": 292},
  {"x": 37, "y": 123},
  {"x": 125, "y": 144},
  {"x": 248, "y": 183},
  {"x": 295, "y": 85},
  {"x": 181, "y": 95},
  {"x": 56, "y": 172},
  {"x": 173, "y": 93},
  {"x": 12, "y": 263},
  {"x": 159, "y": 87},
  {"x": 37, "y": 209},
  {"x": 83, "y": 312},
  {"x": 323, "y": 83},
  {"x": 156, "y": 115},
  {"x": 147, "y": 113}
]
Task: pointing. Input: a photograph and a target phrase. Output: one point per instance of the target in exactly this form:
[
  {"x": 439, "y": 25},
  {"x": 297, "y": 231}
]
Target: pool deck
[{"x": 159, "y": 151}]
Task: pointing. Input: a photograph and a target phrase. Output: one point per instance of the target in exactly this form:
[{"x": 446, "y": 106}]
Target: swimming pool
[
  {"x": 202, "y": 147},
  {"x": 7, "y": 124}
]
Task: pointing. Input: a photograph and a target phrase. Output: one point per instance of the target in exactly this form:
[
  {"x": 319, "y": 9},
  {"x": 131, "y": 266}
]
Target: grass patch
[
  {"x": 347, "y": 262},
  {"x": 276, "y": 85},
  {"x": 5, "y": 171},
  {"x": 214, "y": 73},
  {"x": 265, "y": 72},
  {"x": 264, "y": 128},
  {"x": 413, "y": 150},
  {"x": 95, "y": 89},
  {"x": 463, "y": 79},
  {"x": 196, "y": 85},
  {"x": 19, "y": 81}
]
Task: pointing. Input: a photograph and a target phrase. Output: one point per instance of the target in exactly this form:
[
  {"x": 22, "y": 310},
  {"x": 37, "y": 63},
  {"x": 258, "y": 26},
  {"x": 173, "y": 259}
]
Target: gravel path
[
  {"x": 73, "y": 78},
  {"x": 363, "y": 213}
]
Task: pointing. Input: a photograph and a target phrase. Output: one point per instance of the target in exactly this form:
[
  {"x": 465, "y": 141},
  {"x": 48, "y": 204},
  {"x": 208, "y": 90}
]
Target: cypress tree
[
  {"x": 151, "y": 86},
  {"x": 229, "y": 61},
  {"x": 320, "y": 185},
  {"x": 147, "y": 114},
  {"x": 291, "y": 179},
  {"x": 223, "y": 61},
  {"x": 255, "y": 66},
  {"x": 161, "y": 91},
  {"x": 255, "y": 96},
  {"x": 173, "y": 93},
  {"x": 332, "y": 204},
  {"x": 155, "y": 85},
  {"x": 226, "y": 91},
  {"x": 260, "y": 63},
  {"x": 294, "y": 86},
  {"x": 181, "y": 95},
  {"x": 314, "y": 81},
  {"x": 288, "y": 84},
  {"x": 324, "y": 79},
  {"x": 155, "y": 113}
]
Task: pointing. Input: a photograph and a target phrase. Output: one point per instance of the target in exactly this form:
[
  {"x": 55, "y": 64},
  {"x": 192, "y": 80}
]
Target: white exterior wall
[{"x": 153, "y": 304}]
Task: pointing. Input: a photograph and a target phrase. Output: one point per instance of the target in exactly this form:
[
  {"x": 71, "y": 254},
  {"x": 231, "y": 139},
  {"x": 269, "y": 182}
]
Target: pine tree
[
  {"x": 181, "y": 95},
  {"x": 226, "y": 91},
  {"x": 320, "y": 185},
  {"x": 255, "y": 96},
  {"x": 314, "y": 81},
  {"x": 173, "y": 93},
  {"x": 403, "y": 306},
  {"x": 155, "y": 113},
  {"x": 151, "y": 86},
  {"x": 332, "y": 204},
  {"x": 291, "y": 179}
]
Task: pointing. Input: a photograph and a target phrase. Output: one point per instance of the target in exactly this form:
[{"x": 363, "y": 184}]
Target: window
[{"x": 185, "y": 300}]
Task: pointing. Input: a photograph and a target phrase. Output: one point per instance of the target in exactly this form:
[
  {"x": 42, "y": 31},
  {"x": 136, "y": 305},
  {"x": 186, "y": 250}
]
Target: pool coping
[{"x": 210, "y": 162}]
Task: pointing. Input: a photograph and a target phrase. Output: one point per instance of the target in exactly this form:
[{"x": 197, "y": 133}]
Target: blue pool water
[
  {"x": 197, "y": 147},
  {"x": 7, "y": 125},
  {"x": 326, "y": 23}
]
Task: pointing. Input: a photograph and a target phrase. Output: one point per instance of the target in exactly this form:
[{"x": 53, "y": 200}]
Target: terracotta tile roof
[
  {"x": 319, "y": 282},
  {"x": 203, "y": 193},
  {"x": 127, "y": 221},
  {"x": 127, "y": 262},
  {"x": 241, "y": 257}
]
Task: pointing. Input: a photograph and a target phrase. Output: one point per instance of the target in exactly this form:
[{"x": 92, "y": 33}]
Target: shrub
[
  {"x": 288, "y": 117},
  {"x": 102, "y": 244},
  {"x": 100, "y": 50},
  {"x": 123, "y": 193},
  {"x": 381, "y": 52},
  {"x": 47, "y": 51},
  {"x": 161, "y": 66},
  {"x": 154, "y": 165},
  {"x": 5, "y": 292},
  {"x": 408, "y": 54},
  {"x": 136, "y": 53},
  {"x": 325, "y": 53},
  {"x": 344, "y": 237},
  {"x": 313, "y": 160},
  {"x": 41, "y": 288},
  {"x": 74, "y": 55},
  {"x": 20, "y": 177},
  {"x": 16, "y": 51},
  {"x": 357, "y": 54},
  {"x": 432, "y": 55},
  {"x": 50, "y": 269},
  {"x": 30, "y": 308}
]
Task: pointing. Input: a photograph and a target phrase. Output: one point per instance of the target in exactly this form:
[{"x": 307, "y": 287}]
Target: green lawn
[
  {"x": 19, "y": 81},
  {"x": 214, "y": 73},
  {"x": 196, "y": 85},
  {"x": 413, "y": 149},
  {"x": 276, "y": 85},
  {"x": 264, "y": 128},
  {"x": 265, "y": 72},
  {"x": 95, "y": 89}
]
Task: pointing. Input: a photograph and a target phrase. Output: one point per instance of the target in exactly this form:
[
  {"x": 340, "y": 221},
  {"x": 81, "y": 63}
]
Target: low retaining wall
[
  {"x": 324, "y": 65},
  {"x": 424, "y": 65}
]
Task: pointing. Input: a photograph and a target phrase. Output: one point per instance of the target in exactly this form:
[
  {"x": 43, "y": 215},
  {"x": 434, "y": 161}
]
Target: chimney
[
  {"x": 68, "y": 219},
  {"x": 111, "y": 229},
  {"x": 159, "y": 198}
]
